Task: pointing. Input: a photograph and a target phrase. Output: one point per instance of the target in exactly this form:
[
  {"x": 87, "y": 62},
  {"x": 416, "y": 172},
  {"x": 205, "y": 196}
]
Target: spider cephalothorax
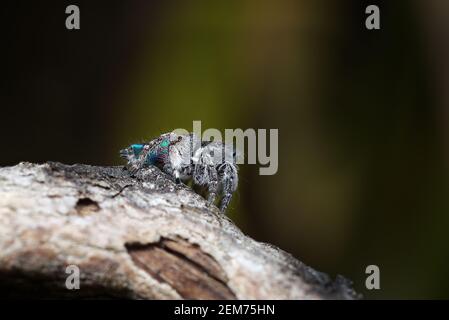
[{"x": 210, "y": 165}]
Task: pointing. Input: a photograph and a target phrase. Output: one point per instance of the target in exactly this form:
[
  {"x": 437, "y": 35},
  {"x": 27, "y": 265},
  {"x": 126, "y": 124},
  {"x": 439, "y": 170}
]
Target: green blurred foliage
[{"x": 360, "y": 179}]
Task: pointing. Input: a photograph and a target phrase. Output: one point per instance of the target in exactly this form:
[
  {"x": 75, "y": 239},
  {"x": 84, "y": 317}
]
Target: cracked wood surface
[{"x": 140, "y": 237}]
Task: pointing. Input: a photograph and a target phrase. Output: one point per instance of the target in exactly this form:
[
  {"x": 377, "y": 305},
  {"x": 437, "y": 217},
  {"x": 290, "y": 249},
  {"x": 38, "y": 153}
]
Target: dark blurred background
[{"x": 362, "y": 115}]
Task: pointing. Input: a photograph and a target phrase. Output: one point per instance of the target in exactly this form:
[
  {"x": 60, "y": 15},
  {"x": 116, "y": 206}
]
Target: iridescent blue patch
[
  {"x": 152, "y": 158},
  {"x": 137, "y": 149}
]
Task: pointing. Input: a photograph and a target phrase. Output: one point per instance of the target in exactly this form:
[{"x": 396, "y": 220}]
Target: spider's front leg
[
  {"x": 225, "y": 201},
  {"x": 172, "y": 172},
  {"x": 212, "y": 186},
  {"x": 228, "y": 179},
  {"x": 207, "y": 176}
]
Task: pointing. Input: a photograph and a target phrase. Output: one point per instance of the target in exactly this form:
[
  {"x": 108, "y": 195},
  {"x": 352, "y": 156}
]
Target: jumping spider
[{"x": 208, "y": 164}]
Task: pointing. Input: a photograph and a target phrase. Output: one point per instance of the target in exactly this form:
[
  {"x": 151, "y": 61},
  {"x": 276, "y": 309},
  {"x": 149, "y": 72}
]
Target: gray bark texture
[{"x": 135, "y": 237}]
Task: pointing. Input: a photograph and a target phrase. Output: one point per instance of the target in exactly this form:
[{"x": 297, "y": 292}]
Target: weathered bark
[{"x": 135, "y": 237}]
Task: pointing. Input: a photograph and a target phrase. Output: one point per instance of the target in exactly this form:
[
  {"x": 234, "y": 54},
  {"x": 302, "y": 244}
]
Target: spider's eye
[{"x": 137, "y": 149}]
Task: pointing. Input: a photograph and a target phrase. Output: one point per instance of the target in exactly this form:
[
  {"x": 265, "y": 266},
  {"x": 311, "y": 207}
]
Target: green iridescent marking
[{"x": 165, "y": 143}]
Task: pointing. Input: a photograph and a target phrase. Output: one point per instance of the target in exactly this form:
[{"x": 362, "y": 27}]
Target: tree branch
[{"x": 135, "y": 237}]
